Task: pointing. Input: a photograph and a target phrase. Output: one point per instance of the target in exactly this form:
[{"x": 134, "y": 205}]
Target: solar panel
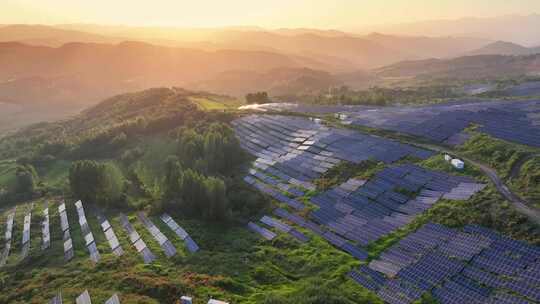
[
  {"x": 109, "y": 234},
  {"x": 87, "y": 233},
  {"x": 26, "y": 234},
  {"x": 57, "y": 299},
  {"x": 84, "y": 298},
  {"x": 162, "y": 240},
  {"x": 136, "y": 240},
  {"x": 113, "y": 300},
  {"x": 46, "y": 236},
  {"x": 265, "y": 233},
  {"x": 180, "y": 232}
]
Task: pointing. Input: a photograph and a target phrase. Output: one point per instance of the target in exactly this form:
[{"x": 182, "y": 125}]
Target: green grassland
[{"x": 211, "y": 103}]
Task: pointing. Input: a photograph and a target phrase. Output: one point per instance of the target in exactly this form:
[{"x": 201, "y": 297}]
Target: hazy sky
[{"x": 343, "y": 14}]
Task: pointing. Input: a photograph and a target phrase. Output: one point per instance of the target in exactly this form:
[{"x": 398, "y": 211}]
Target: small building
[
  {"x": 447, "y": 158},
  {"x": 458, "y": 164},
  {"x": 186, "y": 300}
]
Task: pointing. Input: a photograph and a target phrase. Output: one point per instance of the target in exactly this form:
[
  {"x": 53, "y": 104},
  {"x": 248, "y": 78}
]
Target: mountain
[
  {"x": 467, "y": 67},
  {"x": 504, "y": 48},
  {"x": 49, "y": 36},
  {"x": 428, "y": 47},
  {"x": 80, "y": 72},
  {"x": 519, "y": 29},
  {"x": 282, "y": 81},
  {"x": 339, "y": 51}
]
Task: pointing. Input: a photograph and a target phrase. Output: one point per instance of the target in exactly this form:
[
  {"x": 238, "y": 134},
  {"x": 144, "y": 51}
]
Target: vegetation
[
  {"x": 257, "y": 98},
  {"x": 381, "y": 96},
  {"x": 158, "y": 150},
  {"x": 95, "y": 182}
]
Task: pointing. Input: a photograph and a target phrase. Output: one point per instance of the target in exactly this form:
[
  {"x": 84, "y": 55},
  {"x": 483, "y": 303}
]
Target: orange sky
[{"x": 342, "y": 14}]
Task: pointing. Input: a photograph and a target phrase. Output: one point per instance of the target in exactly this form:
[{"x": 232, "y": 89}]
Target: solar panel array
[
  {"x": 8, "y": 236},
  {"x": 367, "y": 211},
  {"x": 265, "y": 233},
  {"x": 515, "y": 121},
  {"x": 180, "y": 232},
  {"x": 84, "y": 298},
  {"x": 136, "y": 240},
  {"x": 89, "y": 240},
  {"x": 66, "y": 236},
  {"x": 26, "y": 234},
  {"x": 45, "y": 231},
  {"x": 163, "y": 241},
  {"x": 473, "y": 265},
  {"x": 109, "y": 234},
  {"x": 278, "y": 225},
  {"x": 292, "y": 151},
  {"x": 332, "y": 238},
  {"x": 531, "y": 88}
]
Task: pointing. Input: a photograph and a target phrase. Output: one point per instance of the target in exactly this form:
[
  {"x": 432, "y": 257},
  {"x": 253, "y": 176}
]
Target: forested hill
[{"x": 150, "y": 111}]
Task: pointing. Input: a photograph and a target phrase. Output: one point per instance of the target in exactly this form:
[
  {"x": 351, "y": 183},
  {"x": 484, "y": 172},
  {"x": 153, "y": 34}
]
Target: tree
[
  {"x": 257, "y": 98},
  {"x": 217, "y": 205},
  {"x": 26, "y": 179},
  {"x": 173, "y": 178},
  {"x": 95, "y": 182}
]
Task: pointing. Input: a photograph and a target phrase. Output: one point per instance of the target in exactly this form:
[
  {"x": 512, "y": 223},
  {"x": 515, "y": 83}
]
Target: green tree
[
  {"x": 257, "y": 98},
  {"x": 95, "y": 182},
  {"x": 26, "y": 179}
]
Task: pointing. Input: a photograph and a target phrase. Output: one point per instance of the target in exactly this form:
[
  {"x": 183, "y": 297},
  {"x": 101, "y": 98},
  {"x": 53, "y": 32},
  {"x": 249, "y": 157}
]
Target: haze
[{"x": 340, "y": 14}]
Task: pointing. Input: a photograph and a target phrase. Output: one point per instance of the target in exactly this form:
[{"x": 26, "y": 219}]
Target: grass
[
  {"x": 214, "y": 103},
  {"x": 234, "y": 264}
]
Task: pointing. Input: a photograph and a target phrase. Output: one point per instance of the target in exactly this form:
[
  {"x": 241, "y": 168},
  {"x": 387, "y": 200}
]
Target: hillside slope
[{"x": 468, "y": 67}]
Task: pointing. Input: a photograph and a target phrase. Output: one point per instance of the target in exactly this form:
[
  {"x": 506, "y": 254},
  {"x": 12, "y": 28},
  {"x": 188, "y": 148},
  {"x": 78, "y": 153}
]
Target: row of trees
[
  {"x": 377, "y": 96},
  {"x": 257, "y": 98}
]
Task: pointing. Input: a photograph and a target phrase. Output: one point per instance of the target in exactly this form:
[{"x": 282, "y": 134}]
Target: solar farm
[
  {"x": 110, "y": 233},
  {"x": 469, "y": 265},
  {"x": 517, "y": 122},
  {"x": 472, "y": 265}
]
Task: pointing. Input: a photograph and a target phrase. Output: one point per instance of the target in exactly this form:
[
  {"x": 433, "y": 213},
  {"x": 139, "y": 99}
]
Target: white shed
[
  {"x": 447, "y": 158},
  {"x": 186, "y": 300},
  {"x": 458, "y": 164}
]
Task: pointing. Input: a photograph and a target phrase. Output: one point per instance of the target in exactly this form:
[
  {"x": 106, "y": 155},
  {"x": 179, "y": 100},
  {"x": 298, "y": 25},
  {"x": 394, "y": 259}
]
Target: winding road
[{"x": 520, "y": 205}]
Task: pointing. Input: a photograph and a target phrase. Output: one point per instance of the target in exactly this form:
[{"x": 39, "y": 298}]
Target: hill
[
  {"x": 282, "y": 81},
  {"x": 468, "y": 67},
  {"x": 504, "y": 48}
]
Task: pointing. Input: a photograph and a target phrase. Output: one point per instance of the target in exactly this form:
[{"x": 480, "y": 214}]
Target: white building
[{"x": 458, "y": 164}]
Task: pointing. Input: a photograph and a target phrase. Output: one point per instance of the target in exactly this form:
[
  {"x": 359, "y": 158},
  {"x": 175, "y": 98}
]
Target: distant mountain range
[
  {"x": 74, "y": 66},
  {"x": 332, "y": 50},
  {"x": 524, "y": 30}
]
